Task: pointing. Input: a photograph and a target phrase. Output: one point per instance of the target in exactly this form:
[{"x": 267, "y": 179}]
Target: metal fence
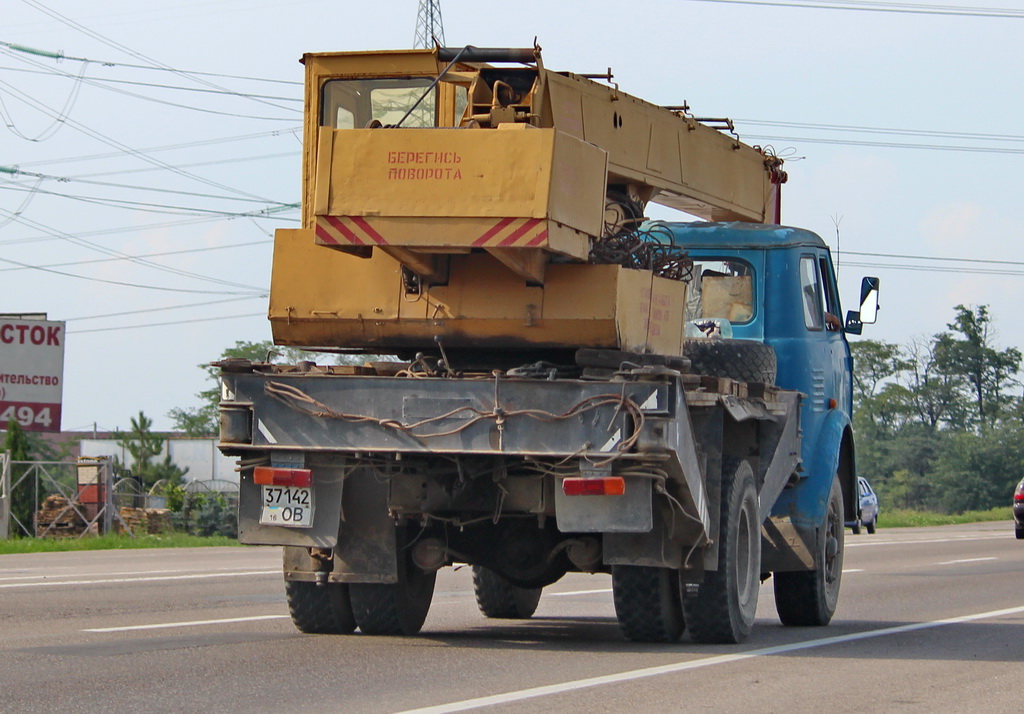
[
  {"x": 71, "y": 499},
  {"x": 57, "y": 498}
]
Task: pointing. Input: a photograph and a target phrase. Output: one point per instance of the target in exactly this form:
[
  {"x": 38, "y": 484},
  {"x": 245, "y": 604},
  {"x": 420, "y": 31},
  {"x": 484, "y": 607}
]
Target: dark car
[
  {"x": 1018, "y": 509},
  {"x": 867, "y": 510}
]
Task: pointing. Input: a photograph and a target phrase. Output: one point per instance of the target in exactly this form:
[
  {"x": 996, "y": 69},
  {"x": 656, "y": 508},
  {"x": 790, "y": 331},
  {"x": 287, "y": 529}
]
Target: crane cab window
[
  {"x": 354, "y": 103},
  {"x": 811, "y": 293}
]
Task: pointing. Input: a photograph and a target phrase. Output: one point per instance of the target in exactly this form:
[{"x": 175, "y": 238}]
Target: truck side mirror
[
  {"x": 868, "y": 300},
  {"x": 868, "y": 313}
]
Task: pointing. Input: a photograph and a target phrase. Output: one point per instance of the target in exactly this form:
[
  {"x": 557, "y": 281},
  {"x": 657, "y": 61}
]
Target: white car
[{"x": 867, "y": 511}]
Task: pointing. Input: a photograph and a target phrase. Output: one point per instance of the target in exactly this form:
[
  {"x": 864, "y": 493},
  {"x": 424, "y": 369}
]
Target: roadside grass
[
  {"x": 890, "y": 518},
  {"x": 902, "y": 518},
  {"x": 111, "y": 542}
]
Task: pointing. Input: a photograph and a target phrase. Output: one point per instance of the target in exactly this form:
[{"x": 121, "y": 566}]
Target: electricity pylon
[{"x": 429, "y": 25}]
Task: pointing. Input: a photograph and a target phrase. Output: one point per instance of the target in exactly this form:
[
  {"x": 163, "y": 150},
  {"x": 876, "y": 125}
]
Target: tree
[
  {"x": 987, "y": 372},
  {"x": 979, "y": 471},
  {"x": 204, "y": 420},
  {"x": 144, "y": 446},
  {"x": 17, "y": 444}
]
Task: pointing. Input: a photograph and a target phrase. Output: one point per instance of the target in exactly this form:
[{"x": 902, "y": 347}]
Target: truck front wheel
[
  {"x": 498, "y": 598},
  {"x": 722, "y": 609},
  {"x": 647, "y": 603},
  {"x": 808, "y": 598}
]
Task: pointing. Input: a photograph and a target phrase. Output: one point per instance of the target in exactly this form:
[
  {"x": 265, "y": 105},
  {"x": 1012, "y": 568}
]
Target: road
[{"x": 930, "y": 619}]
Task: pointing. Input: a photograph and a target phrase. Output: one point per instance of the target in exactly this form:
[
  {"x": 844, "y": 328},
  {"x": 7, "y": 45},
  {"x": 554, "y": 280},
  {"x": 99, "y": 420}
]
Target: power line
[
  {"x": 163, "y": 254},
  {"x": 103, "y": 84},
  {"x": 127, "y": 50},
  {"x": 168, "y": 147},
  {"x": 163, "y": 309},
  {"x": 106, "y": 63},
  {"x": 162, "y": 208},
  {"x": 930, "y": 257},
  {"x": 902, "y": 8},
  {"x": 15, "y": 171},
  {"x": 153, "y": 85},
  {"x": 118, "y": 282},
  {"x": 126, "y": 149},
  {"x": 166, "y": 324},
  {"x": 930, "y": 133},
  {"x": 891, "y": 144},
  {"x": 109, "y": 251},
  {"x": 962, "y": 270},
  {"x": 115, "y": 231}
]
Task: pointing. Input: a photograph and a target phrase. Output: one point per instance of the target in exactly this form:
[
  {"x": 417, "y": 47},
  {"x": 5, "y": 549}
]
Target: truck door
[{"x": 828, "y": 351}]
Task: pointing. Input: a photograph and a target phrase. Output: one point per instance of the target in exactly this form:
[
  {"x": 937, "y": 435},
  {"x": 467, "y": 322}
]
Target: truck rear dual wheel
[
  {"x": 722, "y": 609},
  {"x": 808, "y": 598},
  {"x": 398, "y": 608},
  {"x": 320, "y": 609},
  {"x": 499, "y": 599},
  {"x": 647, "y": 603}
]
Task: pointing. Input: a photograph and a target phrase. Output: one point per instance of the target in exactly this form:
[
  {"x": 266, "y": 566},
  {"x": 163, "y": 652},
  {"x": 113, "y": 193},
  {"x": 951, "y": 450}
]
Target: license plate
[{"x": 290, "y": 506}]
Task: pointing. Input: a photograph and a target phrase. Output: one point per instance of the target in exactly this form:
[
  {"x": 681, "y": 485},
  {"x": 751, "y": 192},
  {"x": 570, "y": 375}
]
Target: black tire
[
  {"x": 855, "y": 528},
  {"x": 1020, "y": 533},
  {"x": 499, "y": 599},
  {"x": 871, "y": 526},
  {"x": 320, "y": 609},
  {"x": 722, "y": 609},
  {"x": 742, "y": 360},
  {"x": 808, "y": 598},
  {"x": 394, "y": 608},
  {"x": 647, "y": 603}
]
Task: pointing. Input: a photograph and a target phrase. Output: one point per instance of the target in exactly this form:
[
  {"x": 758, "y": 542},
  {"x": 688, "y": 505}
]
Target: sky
[{"x": 138, "y": 196}]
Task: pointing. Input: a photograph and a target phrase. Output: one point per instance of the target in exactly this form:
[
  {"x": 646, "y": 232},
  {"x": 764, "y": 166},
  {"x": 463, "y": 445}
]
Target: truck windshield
[
  {"x": 354, "y": 103},
  {"x": 721, "y": 289}
]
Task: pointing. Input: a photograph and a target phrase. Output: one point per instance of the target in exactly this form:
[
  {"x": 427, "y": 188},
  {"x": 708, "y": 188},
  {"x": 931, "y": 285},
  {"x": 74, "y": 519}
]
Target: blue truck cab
[{"x": 793, "y": 307}]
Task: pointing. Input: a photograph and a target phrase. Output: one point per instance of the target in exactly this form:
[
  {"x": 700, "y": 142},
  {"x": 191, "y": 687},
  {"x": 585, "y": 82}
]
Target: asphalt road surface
[{"x": 930, "y": 619}]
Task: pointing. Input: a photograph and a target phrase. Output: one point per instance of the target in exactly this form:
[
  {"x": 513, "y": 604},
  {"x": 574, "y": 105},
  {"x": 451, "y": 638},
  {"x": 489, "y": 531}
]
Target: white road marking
[
  {"x": 951, "y": 539},
  {"x": 193, "y": 623},
  {"x": 966, "y": 560},
  {"x": 847, "y": 571},
  {"x": 577, "y": 592},
  {"x": 632, "y": 675},
  {"x": 106, "y": 581},
  {"x": 49, "y": 576}
]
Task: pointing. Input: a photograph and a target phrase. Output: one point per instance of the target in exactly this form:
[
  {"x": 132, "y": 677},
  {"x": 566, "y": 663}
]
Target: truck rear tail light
[
  {"x": 594, "y": 486},
  {"x": 270, "y": 476}
]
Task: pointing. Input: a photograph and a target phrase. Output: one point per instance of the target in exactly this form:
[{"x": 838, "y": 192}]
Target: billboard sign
[{"x": 31, "y": 372}]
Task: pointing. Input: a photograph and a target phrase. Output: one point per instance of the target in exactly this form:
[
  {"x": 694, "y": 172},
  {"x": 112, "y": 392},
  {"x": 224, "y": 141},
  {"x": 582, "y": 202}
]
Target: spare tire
[{"x": 742, "y": 360}]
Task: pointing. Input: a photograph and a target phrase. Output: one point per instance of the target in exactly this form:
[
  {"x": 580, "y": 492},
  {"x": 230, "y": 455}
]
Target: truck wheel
[
  {"x": 498, "y": 598},
  {"x": 871, "y": 526},
  {"x": 742, "y": 360},
  {"x": 647, "y": 603},
  {"x": 808, "y": 598},
  {"x": 394, "y": 608},
  {"x": 722, "y": 610},
  {"x": 324, "y": 609}
]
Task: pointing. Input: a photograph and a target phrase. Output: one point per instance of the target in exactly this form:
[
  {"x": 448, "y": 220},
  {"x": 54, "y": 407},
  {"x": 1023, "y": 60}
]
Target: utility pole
[{"x": 429, "y": 25}]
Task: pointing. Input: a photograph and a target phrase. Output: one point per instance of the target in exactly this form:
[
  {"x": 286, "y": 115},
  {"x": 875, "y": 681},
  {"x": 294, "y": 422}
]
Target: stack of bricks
[
  {"x": 57, "y": 519},
  {"x": 142, "y": 521}
]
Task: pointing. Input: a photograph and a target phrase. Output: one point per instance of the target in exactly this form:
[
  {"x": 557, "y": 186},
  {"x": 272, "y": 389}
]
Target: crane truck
[{"x": 574, "y": 388}]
